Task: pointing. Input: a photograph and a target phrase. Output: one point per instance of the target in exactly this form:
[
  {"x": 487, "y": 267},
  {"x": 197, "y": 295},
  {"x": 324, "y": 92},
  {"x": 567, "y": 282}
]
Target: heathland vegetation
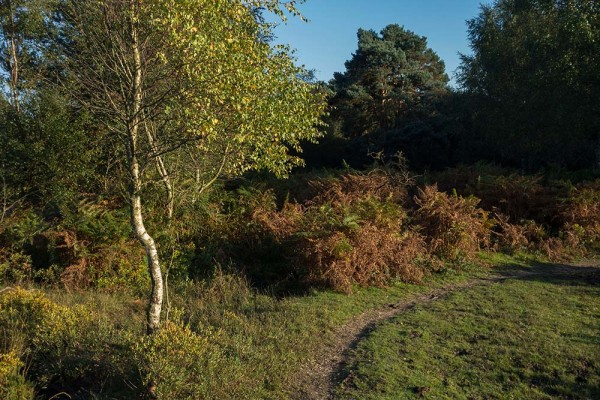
[{"x": 187, "y": 214}]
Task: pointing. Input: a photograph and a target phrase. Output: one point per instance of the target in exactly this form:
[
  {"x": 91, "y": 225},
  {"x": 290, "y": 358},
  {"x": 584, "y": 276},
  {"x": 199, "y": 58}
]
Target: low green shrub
[
  {"x": 13, "y": 385},
  {"x": 67, "y": 349},
  {"x": 15, "y": 267},
  {"x": 88, "y": 246},
  {"x": 177, "y": 363}
]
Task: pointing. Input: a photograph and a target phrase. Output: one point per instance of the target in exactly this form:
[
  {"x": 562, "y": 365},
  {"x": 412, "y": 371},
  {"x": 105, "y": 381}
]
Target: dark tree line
[
  {"x": 533, "y": 82},
  {"x": 528, "y": 96}
]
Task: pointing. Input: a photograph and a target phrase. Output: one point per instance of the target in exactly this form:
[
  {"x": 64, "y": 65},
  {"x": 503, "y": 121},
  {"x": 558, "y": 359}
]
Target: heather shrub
[
  {"x": 454, "y": 226},
  {"x": 24, "y": 311}
]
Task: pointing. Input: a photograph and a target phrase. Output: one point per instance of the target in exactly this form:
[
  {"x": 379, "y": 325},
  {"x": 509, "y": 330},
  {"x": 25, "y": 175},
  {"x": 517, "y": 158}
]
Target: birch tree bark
[
  {"x": 9, "y": 33},
  {"x": 137, "y": 219}
]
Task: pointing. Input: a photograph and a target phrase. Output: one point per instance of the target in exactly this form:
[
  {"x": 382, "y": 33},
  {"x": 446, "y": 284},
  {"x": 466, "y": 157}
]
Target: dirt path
[{"x": 319, "y": 378}]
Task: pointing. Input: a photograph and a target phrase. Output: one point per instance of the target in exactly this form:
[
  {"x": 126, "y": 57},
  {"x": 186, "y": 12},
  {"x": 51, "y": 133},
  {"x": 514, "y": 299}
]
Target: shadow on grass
[
  {"x": 582, "y": 274},
  {"x": 560, "y": 389}
]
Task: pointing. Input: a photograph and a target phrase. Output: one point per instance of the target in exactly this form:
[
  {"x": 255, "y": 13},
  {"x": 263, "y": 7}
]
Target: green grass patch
[
  {"x": 243, "y": 343},
  {"x": 529, "y": 338}
]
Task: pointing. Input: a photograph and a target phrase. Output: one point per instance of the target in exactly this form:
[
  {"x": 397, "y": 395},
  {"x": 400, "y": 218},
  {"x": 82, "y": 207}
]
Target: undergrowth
[
  {"x": 341, "y": 231},
  {"x": 223, "y": 339},
  {"x": 337, "y": 230}
]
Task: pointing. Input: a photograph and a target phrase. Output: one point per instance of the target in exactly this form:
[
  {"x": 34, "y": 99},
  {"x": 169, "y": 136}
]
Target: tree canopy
[
  {"x": 387, "y": 79},
  {"x": 192, "y": 92},
  {"x": 534, "y": 80},
  {"x": 388, "y": 99},
  {"x": 24, "y": 26}
]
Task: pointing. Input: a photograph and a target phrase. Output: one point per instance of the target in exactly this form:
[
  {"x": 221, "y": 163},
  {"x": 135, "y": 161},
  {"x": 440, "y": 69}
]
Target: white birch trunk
[
  {"x": 137, "y": 220},
  {"x": 14, "y": 63}
]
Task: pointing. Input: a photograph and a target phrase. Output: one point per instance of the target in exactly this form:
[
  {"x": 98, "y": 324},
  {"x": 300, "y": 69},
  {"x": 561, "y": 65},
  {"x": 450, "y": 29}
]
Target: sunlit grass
[
  {"x": 263, "y": 340},
  {"x": 533, "y": 338},
  {"x": 257, "y": 343}
]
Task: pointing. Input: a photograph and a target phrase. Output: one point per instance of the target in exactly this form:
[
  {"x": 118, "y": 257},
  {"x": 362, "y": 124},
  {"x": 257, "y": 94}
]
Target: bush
[
  {"x": 368, "y": 256},
  {"x": 177, "y": 363},
  {"x": 352, "y": 233},
  {"x": 527, "y": 235},
  {"x": 350, "y": 230},
  {"x": 356, "y": 187},
  {"x": 13, "y": 385},
  {"x": 520, "y": 197},
  {"x": 580, "y": 216},
  {"x": 453, "y": 225},
  {"x": 67, "y": 349},
  {"x": 89, "y": 246},
  {"x": 15, "y": 267},
  {"x": 463, "y": 177},
  {"x": 17, "y": 234}
]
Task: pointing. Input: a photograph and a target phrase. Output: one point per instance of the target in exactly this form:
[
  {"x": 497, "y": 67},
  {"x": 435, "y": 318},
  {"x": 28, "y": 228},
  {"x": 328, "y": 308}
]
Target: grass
[
  {"x": 533, "y": 338},
  {"x": 260, "y": 341},
  {"x": 254, "y": 343}
]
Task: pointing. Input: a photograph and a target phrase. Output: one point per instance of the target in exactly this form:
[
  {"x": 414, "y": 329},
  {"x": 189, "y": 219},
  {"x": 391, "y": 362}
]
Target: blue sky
[{"x": 329, "y": 38}]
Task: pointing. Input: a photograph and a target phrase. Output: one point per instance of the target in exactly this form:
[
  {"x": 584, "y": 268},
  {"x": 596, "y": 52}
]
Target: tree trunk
[
  {"x": 137, "y": 220},
  {"x": 14, "y": 76},
  {"x": 14, "y": 64},
  {"x": 163, "y": 172},
  {"x": 156, "y": 296}
]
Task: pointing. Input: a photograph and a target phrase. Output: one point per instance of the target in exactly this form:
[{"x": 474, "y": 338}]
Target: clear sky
[{"x": 329, "y": 38}]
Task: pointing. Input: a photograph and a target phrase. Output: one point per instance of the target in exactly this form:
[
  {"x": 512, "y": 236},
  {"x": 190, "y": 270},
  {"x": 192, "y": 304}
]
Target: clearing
[{"x": 531, "y": 333}]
